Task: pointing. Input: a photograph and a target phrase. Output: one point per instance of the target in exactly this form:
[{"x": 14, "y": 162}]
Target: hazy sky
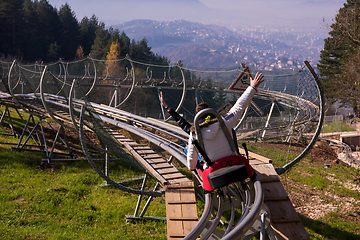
[{"x": 277, "y": 14}]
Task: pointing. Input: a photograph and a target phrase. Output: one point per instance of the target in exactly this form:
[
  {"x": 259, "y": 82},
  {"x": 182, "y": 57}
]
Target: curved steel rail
[
  {"x": 96, "y": 168},
  {"x": 250, "y": 209},
  {"x": 241, "y": 228},
  {"x": 14, "y": 96},
  {"x": 44, "y": 102},
  {"x": 318, "y": 129}
]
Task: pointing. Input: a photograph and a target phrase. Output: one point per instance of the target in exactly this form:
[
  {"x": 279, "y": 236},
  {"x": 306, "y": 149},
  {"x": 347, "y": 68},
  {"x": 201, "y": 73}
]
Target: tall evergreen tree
[
  {"x": 339, "y": 77},
  {"x": 88, "y": 33},
  {"x": 140, "y": 50},
  {"x": 47, "y": 27},
  {"x": 69, "y": 32},
  {"x": 30, "y": 45},
  {"x": 98, "y": 49},
  {"x": 11, "y": 27},
  {"x": 124, "y": 42},
  {"x": 114, "y": 37}
]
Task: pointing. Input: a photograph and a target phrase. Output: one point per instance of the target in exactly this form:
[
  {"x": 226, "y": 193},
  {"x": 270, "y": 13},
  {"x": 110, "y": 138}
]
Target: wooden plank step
[
  {"x": 150, "y": 156},
  {"x": 181, "y": 202},
  {"x": 181, "y": 218},
  {"x": 134, "y": 144},
  {"x": 172, "y": 176},
  {"x": 142, "y": 148},
  {"x": 148, "y": 166},
  {"x": 255, "y": 156},
  {"x": 266, "y": 173},
  {"x": 119, "y": 135},
  {"x": 143, "y": 152},
  {"x": 189, "y": 185},
  {"x": 179, "y": 180},
  {"x": 284, "y": 219},
  {"x": 168, "y": 171},
  {"x": 124, "y": 140},
  {"x": 161, "y": 165},
  {"x": 156, "y": 160},
  {"x": 255, "y": 162}
]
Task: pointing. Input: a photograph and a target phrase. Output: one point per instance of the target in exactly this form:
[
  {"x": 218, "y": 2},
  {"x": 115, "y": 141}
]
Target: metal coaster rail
[{"x": 73, "y": 112}]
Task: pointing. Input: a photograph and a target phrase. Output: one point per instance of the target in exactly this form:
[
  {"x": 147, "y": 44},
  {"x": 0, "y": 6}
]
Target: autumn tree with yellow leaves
[{"x": 112, "y": 63}]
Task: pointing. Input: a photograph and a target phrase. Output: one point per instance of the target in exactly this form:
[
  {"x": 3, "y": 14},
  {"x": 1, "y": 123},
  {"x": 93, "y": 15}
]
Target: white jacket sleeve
[
  {"x": 192, "y": 154},
  {"x": 235, "y": 113}
]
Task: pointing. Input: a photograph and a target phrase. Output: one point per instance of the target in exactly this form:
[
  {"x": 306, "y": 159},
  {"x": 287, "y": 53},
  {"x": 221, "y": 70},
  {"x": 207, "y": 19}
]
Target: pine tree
[
  {"x": 124, "y": 44},
  {"x": 98, "y": 49},
  {"x": 339, "y": 74},
  {"x": 47, "y": 26},
  {"x": 88, "y": 29},
  {"x": 140, "y": 50},
  {"x": 54, "y": 51},
  {"x": 11, "y": 27},
  {"x": 30, "y": 46},
  {"x": 69, "y": 32}
]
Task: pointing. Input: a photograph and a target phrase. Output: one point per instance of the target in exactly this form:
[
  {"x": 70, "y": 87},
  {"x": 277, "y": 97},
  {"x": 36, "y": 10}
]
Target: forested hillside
[{"x": 36, "y": 31}]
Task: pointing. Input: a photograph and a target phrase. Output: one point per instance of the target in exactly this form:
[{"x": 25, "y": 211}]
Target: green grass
[
  {"x": 337, "y": 126},
  {"x": 66, "y": 203},
  {"x": 282, "y": 157},
  {"x": 318, "y": 180}
]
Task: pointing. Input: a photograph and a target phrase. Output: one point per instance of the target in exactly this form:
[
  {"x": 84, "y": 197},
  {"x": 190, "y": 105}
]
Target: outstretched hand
[
  {"x": 162, "y": 100},
  {"x": 255, "y": 82}
]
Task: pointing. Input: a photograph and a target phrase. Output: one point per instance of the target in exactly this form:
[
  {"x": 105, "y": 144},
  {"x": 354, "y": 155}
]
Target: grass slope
[
  {"x": 66, "y": 202},
  {"x": 327, "y": 199}
]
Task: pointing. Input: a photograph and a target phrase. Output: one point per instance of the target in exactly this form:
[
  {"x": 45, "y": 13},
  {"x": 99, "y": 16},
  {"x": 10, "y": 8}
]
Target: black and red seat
[{"x": 223, "y": 171}]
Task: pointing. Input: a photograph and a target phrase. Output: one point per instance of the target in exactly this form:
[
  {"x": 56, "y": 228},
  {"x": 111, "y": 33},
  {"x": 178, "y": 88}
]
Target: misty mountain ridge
[
  {"x": 213, "y": 46},
  {"x": 300, "y": 15}
]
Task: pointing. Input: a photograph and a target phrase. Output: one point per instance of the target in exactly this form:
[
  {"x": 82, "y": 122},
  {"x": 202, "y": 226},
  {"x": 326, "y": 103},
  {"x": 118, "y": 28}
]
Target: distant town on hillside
[{"x": 212, "y": 46}]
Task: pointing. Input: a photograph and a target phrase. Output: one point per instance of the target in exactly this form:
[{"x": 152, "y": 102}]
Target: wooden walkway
[
  {"x": 284, "y": 220},
  {"x": 180, "y": 194},
  {"x": 181, "y": 212}
]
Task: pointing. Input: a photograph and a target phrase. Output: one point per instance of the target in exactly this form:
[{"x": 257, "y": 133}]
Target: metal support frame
[
  {"x": 268, "y": 119},
  {"x": 38, "y": 135},
  {"x": 250, "y": 213},
  {"x": 31, "y": 132},
  {"x": 318, "y": 129},
  {"x": 136, "y": 215},
  {"x": 7, "y": 117}
]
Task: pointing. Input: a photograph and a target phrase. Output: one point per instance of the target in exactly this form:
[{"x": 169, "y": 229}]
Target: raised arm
[
  {"x": 235, "y": 113},
  {"x": 255, "y": 82},
  {"x": 180, "y": 120}
]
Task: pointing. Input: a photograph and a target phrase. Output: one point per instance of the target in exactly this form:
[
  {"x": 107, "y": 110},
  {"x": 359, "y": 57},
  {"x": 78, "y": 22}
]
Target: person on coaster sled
[
  {"x": 216, "y": 145},
  {"x": 186, "y": 126}
]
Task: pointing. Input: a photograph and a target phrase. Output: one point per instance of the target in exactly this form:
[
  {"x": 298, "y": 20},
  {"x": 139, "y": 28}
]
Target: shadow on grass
[{"x": 326, "y": 231}]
